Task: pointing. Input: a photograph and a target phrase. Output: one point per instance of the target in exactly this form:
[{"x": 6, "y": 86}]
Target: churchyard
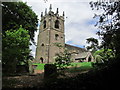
[
  {"x": 95, "y": 66},
  {"x": 37, "y": 77},
  {"x": 73, "y": 67}
]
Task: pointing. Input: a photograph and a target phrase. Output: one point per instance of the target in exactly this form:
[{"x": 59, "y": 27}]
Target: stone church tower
[{"x": 51, "y": 32}]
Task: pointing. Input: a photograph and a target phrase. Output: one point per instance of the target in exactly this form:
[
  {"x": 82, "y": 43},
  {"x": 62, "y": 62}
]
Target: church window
[
  {"x": 42, "y": 44},
  {"x": 57, "y": 24},
  {"x": 56, "y": 36},
  {"x": 44, "y": 24}
]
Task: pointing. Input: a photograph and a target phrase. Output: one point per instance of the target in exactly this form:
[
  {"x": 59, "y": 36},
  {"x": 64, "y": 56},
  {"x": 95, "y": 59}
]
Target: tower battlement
[{"x": 51, "y": 31}]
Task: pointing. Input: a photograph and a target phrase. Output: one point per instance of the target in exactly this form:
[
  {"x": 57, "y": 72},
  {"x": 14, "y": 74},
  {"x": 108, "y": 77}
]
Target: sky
[{"x": 79, "y": 22}]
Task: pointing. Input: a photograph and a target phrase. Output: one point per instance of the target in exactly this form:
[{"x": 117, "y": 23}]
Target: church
[{"x": 51, "y": 31}]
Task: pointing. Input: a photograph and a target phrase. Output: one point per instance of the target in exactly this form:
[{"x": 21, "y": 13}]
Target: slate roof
[
  {"x": 83, "y": 55},
  {"x": 70, "y": 46}
]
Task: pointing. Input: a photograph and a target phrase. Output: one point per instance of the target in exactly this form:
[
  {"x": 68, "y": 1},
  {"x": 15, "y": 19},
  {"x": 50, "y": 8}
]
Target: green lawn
[
  {"x": 40, "y": 66},
  {"x": 80, "y": 66},
  {"x": 85, "y": 64}
]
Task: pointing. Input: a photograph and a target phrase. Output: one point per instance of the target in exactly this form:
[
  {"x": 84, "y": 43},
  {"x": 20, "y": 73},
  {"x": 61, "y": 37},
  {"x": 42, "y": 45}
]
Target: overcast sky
[{"x": 79, "y": 22}]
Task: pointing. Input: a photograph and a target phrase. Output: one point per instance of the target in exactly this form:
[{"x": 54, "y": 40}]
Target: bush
[{"x": 63, "y": 60}]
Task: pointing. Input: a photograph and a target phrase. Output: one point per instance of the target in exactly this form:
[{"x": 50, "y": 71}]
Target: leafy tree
[
  {"x": 102, "y": 57},
  {"x": 109, "y": 24},
  {"x": 94, "y": 44},
  {"x": 104, "y": 54},
  {"x": 15, "y": 14},
  {"x": 98, "y": 59},
  {"x": 15, "y": 48},
  {"x": 63, "y": 59}
]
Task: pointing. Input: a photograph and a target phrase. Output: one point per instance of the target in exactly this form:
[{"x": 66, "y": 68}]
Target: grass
[
  {"x": 40, "y": 66},
  {"x": 81, "y": 64},
  {"x": 75, "y": 66},
  {"x": 78, "y": 67}
]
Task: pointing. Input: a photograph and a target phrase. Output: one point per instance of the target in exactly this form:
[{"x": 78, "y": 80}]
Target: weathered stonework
[{"x": 51, "y": 32}]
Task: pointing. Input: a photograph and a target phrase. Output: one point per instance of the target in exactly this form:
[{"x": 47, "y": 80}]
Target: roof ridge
[{"x": 75, "y": 46}]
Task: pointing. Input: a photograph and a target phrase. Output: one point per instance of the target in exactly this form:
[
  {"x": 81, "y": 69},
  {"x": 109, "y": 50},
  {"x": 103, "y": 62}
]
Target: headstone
[{"x": 50, "y": 70}]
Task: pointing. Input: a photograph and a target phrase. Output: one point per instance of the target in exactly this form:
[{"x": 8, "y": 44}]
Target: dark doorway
[
  {"x": 89, "y": 59},
  {"x": 41, "y": 59}
]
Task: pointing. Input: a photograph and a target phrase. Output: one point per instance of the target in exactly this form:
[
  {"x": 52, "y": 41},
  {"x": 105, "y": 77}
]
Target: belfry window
[
  {"x": 44, "y": 24},
  {"x": 42, "y": 44},
  {"x": 57, "y": 24},
  {"x": 56, "y": 36}
]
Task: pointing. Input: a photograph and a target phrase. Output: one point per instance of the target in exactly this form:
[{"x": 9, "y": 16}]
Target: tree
[
  {"x": 62, "y": 59},
  {"x": 109, "y": 24},
  {"x": 94, "y": 44},
  {"x": 105, "y": 54},
  {"x": 15, "y": 48},
  {"x": 15, "y": 14}
]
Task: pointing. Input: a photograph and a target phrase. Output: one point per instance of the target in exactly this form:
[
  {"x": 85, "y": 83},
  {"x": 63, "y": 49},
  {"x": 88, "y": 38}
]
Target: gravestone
[{"x": 50, "y": 70}]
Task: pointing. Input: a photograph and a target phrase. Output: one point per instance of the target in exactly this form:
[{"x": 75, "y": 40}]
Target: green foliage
[
  {"x": 108, "y": 23},
  {"x": 102, "y": 57},
  {"x": 15, "y": 48},
  {"x": 94, "y": 44},
  {"x": 98, "y": 59},
  {"x": 63, "y": 59},
  {"x": 15, "y": 14},
  {"x": 104, "y": 54}
]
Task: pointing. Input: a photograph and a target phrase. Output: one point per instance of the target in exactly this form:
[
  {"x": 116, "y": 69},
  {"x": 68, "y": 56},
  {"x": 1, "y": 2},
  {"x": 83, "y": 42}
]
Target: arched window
[
  {"x": 57, "y": 24},
  {"x": 44, "y": 24},
  {"x": 56, "y": 36},
  {"x": 42, "y": 44}
]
